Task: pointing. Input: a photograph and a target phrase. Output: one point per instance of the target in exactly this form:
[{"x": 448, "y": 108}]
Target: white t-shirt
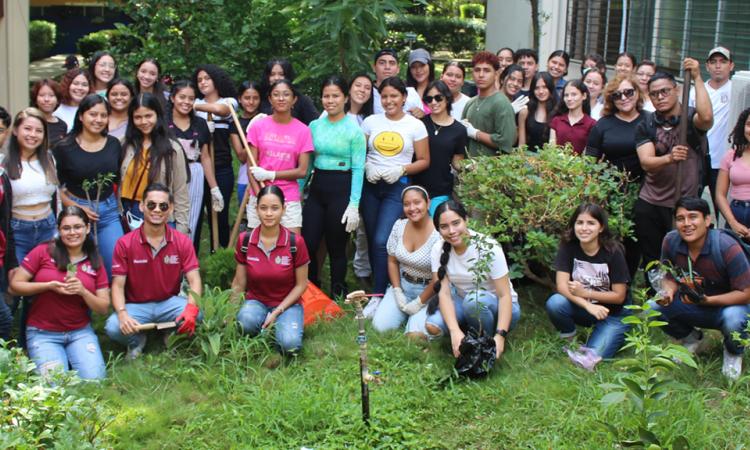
[
  {"x": 457, "y": 107},
  {"x": 219, "y": 121},
  {"x": 596, "y": 111},
  {"x": 718, "y": 135},
  {"x": 412, "y": 100},
  {"x": 67, "y": 114},
  {"x": 458, "y": 268},
  {"x": 391, "y": 143}
]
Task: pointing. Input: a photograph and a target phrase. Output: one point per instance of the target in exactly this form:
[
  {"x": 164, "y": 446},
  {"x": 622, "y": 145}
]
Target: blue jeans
[
  {"x": 30, "y": 233},
  {"x": 608, "y": 335},
  {"x": 6, "y": 318},
  {"x": 241, "y": 188},
  {"x": 289, "y": 325},
  {"x": 157, "y": 311},
  {"x": 389, "y": 317},
  {"x": 62, "y": 350},
  {"x": 740, "y": 211},
  {"x": 681, "y": 319},
  {"x": 380, "y": 207},
  {"x": 108, "y": 227},
  {"x": 474, "y": 310}
]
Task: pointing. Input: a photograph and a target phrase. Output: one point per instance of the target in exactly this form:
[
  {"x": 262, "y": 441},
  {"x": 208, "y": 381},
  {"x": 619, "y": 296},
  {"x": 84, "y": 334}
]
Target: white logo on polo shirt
[
  {"x": 140, "y": 261},
  {"x": 171, "y": 259},
  {"x": 86, "y": 268},
  {"x": 253, "y": 258},
  {"x": 282, "y": 260}
]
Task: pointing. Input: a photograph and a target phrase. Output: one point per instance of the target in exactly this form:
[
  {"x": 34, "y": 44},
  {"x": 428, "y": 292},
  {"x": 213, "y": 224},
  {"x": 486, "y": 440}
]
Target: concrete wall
[
  {"x": 509, "y": 25},
  {"x": 14, "y": 55}
]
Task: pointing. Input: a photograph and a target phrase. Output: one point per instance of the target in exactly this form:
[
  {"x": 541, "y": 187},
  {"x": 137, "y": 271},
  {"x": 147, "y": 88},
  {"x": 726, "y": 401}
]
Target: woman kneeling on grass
[
  {"x": 481, "y": 302},
  {"x": 592, "y": 286},
  {"x": 68, "y": 278},
  {"x": 272, "y": 272}
]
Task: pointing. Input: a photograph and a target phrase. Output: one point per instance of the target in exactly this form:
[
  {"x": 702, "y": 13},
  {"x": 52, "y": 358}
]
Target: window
[{"x": 594, "y": 26}]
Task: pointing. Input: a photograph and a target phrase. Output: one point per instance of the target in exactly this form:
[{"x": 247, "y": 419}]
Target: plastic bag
[{"x": 477, "y": 356}]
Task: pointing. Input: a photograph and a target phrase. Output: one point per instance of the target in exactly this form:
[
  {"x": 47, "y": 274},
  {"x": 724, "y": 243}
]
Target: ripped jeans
[
  {"x": 64, "y": 350},
  {"x": 289, "y": 326}
]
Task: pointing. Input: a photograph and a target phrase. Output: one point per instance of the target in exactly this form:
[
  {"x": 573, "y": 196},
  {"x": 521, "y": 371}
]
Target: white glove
[
  {"x": 413, "y": 306},
  {"x": 470, "y": 130},
  {"x": 392, "y": 174},
  {"x": 217, "y": 200},
  {"x": 211, "y": 127},
  {"x": 519, "y": 103},
  {"x": 400, "y": 297},
  {"x": 262, "y": 174},
  {"x": 372, "y": 173},
  {"x": 351, "y": 218}
]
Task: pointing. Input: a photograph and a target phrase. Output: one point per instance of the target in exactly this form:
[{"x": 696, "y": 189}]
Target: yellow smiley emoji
[{"x": 388, "y": 143}]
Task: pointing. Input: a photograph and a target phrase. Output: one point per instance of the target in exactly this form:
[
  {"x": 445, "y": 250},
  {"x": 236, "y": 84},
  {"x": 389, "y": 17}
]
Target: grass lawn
[{"x": 244, "y": 396}]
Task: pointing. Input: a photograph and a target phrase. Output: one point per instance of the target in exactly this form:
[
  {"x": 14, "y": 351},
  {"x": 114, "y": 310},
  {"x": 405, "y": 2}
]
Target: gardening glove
[
  {"x": 372, "y": 173},
  {"x": 519, "y": 103},
  {"x": 262, "y": 174},
  {"x": 392, "y": 174},
  {"x": 351, "y": 218},
  {"x": 217, "y": 200},
  {"x": 400, "y": 297},
  {"x": 413, "y": 306},
  {"x": 211, "y": 126},
  {"x": 186, "y": 320},
  {"x": 470, "y": 130}
]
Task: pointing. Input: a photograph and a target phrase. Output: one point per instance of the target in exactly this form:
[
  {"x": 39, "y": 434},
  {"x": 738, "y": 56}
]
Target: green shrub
[
  {"x": 525, "y": 201},
  {"x": 217, "y": 270},
  {"x": 114, "y": 40},
  {"x": 472, "y": 11},
  {"x": 42, "y": 37},
  {"x": 437, "y": 33}
]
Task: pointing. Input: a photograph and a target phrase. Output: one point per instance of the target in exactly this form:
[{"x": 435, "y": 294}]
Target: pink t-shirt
[
  {"x": 279, "y": 147},
  {"x": 739, "y": 176}
]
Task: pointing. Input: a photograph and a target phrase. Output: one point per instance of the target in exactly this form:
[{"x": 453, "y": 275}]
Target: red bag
[{"x": 317, "y": 305}]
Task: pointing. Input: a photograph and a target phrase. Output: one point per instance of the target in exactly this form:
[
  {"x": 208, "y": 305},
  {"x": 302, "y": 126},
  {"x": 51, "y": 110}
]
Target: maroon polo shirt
[
  {"x": 270, "y": 278},
  {"x": 153, "y": 278},
  {"x": 577, "y": 134},
  {"x": 51, "y": 311}
]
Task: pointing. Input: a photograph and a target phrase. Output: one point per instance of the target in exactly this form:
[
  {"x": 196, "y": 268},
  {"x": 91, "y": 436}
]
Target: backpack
[{"x": 714, "y": 234}]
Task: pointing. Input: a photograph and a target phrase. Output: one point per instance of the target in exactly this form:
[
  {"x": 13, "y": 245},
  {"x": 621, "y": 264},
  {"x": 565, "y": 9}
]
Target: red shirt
[
  {"x": 270, "y": 278},
  {"x": 577, "y": 134},
  {"x": 58, "y": 312},
  {"x": 153, "y": 278}
]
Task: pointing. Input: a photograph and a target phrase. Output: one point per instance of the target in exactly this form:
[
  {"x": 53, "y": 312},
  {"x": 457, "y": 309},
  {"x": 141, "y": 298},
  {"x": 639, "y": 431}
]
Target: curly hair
[
  {"x": 67, "y": 80},
  {"x": 737, "y": 137},
  {"x": 614, "y": 84},
  {"x": 223, "y": 83},
  {"x": 485, "y": 57}
]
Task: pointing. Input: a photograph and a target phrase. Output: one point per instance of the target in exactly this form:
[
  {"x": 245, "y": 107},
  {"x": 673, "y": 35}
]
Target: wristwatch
[{"x": 503, "y": 333}]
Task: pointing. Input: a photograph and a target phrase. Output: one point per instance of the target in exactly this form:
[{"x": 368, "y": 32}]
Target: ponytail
[{"x": 444, "y": 256}]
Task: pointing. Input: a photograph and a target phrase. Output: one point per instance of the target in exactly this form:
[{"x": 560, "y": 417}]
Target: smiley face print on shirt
[{"x": 388, "y": 143}]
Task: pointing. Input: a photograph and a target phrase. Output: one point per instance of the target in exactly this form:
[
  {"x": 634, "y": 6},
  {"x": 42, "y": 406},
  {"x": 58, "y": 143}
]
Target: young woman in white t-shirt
[
  {"x": 397, "y": 147},
  {"x": 453, "y": 76},
  {"x": 488, "y": 306}
]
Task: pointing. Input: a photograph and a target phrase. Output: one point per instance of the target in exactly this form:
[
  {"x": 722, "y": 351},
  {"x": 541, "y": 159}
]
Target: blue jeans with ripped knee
[{"x": 65, "y": 350}]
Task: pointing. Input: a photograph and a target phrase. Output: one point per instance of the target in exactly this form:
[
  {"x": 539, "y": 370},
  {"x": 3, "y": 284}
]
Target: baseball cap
[
  {"x": 386, "y": 51},
  {"x": 419, "y": 55},
  {"x": 723, "y": 51}
]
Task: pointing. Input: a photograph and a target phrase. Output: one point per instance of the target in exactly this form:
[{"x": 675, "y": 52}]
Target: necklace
[
  {"x": 479, "y": 103},
  {"x": 437, "y": 128}
]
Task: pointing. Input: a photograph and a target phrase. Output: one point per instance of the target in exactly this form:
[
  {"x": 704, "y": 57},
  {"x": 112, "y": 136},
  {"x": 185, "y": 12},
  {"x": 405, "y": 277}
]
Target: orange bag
[{"x": 317, "y": 305}]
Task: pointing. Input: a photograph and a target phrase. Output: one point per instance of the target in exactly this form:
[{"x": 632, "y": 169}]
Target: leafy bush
[
  {"x": 437, "y": 33},
  {"x": 113, "y": 40},
  {"x": 37, "y": 415},
  {"x": 472, "y": 11},
  {"x": 42, "y": 37},
  {"x": 217, "y": 270},
  {"x": 525, "y": 201}
]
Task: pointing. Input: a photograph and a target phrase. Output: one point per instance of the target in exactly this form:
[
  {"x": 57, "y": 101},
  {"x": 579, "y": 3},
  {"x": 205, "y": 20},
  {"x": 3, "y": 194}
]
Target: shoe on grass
[
  {"x": 693, "y": 341},
  {"x": 135, "y": 352},
  {"x": 732, "y": 366},
  {"x": 585, "y": 358}
]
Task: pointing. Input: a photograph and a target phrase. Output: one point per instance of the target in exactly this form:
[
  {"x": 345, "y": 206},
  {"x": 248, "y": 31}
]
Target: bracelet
[{"x": 119, "y": 310}]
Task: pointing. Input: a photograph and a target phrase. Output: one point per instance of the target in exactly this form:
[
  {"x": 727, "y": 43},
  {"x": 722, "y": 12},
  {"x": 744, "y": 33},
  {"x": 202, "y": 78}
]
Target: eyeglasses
[
  {"x": 429, "y": 98},
  {"x": 617, "y": 95},
  {"x": 664, "y": 92},
  {"x": 152, "y": 206},
  {"x": 68, "y": 228}
]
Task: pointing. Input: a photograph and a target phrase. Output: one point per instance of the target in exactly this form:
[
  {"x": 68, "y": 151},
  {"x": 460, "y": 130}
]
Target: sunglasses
[
  {"x": 152, "y": 206},
  {"x": 664, "y": 92},
  {"x": 429, "y": 98},
  {"x": 617, "y": 95}
]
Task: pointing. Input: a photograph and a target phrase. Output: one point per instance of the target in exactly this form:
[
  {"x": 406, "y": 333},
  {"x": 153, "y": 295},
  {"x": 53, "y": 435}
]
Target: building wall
[
  {"x": 14, "y": 55},
  {"x": 509, "y": 25}
]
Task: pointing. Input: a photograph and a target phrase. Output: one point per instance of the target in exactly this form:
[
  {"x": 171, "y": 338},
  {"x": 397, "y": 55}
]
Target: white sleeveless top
[{"x": 31, "y": 188}]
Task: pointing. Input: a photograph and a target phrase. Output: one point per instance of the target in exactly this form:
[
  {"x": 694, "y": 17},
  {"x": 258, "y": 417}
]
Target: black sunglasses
[
  {"x": 152, "y": 206},
  {"x": 617, "y": 95},
  {"x": 429, "y": 98}
]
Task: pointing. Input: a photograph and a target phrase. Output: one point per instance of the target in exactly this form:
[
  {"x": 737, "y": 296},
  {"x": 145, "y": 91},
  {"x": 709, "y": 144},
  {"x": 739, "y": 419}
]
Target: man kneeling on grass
[
  {"x": 713, "y": 289},
  {"x": 147, "y": 268}
]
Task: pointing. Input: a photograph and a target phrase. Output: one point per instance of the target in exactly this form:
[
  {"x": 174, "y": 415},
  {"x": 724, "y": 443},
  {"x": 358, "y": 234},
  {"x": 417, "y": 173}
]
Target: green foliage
[
  {"x": 647, "y": 378},
  {"x": 525, "y": 201},
  {"x": 472, "y": 11},
  {"x": 436, "y": 33},
  {"x": 37, "y": 415},
  {"x": 42, "y": 37},
  {"x": 113, "y": 40},
  {"x": 218, "y": 269}
]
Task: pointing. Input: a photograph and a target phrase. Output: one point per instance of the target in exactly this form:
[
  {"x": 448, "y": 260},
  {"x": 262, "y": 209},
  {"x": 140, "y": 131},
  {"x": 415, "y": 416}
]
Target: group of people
[{"x": 134, "y": 168}]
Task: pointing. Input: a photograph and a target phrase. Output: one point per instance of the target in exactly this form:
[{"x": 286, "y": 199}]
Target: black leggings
[
  {"x": 321, "y": 217},
  {"x": 225, "y": 181}
]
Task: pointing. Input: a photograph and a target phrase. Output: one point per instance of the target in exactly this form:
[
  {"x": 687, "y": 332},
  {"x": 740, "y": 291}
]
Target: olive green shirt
[{"x": 493, "y": 115}]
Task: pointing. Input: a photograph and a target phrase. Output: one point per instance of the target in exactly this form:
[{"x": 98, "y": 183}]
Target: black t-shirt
[
  {"x": 243, "y": 123},
  {"x": 75, "y": 165},
  {"x": 598, "y": 272},
  {"x": 193, "y": 138},
  {"x": 537, "y": 133},
  {"x": 222, "y": 148},
  {"x": 614, "y": 139},
  {"x": 445, "y": 142},
  {"x": 56, "y": 131},
  {"x": 304, "y": 110}
]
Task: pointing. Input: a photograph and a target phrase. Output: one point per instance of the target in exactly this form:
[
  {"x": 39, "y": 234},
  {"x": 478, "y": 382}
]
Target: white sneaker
[
  {"x": 732, "y": 366},
  {"x": 692, "y": 341},
  {"x": 135, "y": 352}
]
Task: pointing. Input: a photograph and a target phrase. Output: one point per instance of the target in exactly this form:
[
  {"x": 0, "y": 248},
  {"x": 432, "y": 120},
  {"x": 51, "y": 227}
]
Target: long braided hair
[{"x": 459, "y": 209}]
